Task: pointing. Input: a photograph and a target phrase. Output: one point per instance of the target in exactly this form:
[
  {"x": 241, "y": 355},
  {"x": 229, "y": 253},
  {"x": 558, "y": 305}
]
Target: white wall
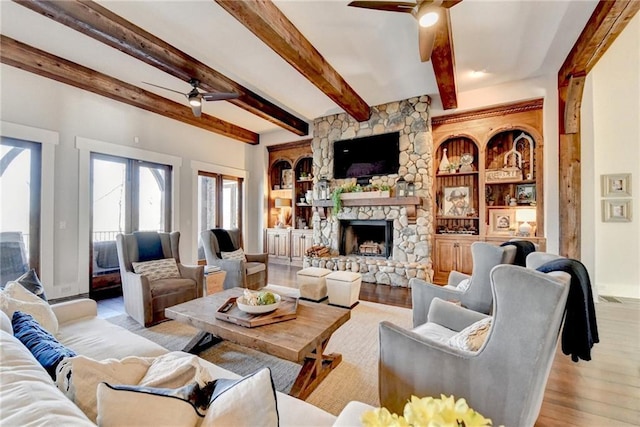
[
  {"x": 611, "y": 144},
  {"x": 38, "y": 102}
]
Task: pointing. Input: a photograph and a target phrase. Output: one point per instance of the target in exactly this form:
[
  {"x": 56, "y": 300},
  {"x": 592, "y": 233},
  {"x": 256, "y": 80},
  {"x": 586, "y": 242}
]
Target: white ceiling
[{"x": 375, "y": 52}]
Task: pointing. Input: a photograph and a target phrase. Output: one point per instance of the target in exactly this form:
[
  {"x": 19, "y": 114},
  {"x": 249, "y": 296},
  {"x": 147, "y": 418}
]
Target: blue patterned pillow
[{"x": 44, "y": 347}]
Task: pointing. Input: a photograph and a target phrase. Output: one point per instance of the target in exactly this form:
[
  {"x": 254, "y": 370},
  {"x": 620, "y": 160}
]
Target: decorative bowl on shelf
[{"x": 257, "y": 309}]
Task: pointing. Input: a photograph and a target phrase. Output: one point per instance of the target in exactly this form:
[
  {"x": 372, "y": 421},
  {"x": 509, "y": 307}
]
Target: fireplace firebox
[{"x": 370, "y": 237}]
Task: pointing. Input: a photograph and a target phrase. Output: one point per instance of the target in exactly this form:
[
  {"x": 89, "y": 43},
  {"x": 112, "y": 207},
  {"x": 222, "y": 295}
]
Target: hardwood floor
[{"x": 604, "y": 391}]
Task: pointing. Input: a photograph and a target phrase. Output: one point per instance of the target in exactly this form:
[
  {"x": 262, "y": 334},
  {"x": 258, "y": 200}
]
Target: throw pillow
[
  {"x": 125, "y": 405},
  {"x": 149, "y": 245},
  {"x": 30, "y": 282},
  {"x": 246, "y": 402},
  {"x": 158, "y": 269},
  {"x": 44, "y": 347},
  {"x": 237, "y": 254},
  {"x": 14, "y": 297},
  {"x": 472, "y": 337}
]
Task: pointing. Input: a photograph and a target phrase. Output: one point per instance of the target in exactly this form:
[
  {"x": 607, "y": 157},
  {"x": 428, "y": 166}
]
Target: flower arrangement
[
  {"x": 427, "y": 412},
  {"x": 352, "y": 188}
]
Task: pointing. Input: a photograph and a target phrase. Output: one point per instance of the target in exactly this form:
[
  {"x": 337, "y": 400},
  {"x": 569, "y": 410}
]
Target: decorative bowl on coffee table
[{"x": 258, "y": 309}]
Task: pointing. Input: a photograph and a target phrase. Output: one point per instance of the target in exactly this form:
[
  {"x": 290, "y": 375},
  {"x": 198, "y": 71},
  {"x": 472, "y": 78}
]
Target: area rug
[{"x": 356, "y": 378}]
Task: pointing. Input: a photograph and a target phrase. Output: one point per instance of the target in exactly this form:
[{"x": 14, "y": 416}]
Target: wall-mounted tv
[{"x": 367, "y": 156}]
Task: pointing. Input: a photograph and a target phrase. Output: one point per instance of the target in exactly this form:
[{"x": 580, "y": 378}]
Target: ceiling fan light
[
  {"x": 429, "y": 18},
  {"x": 194, "y": 101}
]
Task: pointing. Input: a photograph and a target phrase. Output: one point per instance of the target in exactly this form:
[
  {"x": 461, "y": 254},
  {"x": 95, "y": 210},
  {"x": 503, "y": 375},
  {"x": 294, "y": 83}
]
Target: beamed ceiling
[{"x": 289, "y": 61}]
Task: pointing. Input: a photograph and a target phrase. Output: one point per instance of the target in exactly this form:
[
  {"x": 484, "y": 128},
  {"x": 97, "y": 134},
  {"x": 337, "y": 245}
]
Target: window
[
  {"x": 219, "y": 201},
  {"x": 20, "y": 192},
  {"x": 127, "y": 195}
]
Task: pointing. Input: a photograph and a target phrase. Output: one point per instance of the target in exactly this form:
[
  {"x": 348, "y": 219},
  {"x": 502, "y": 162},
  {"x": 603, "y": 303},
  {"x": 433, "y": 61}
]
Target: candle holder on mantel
[{"x": 402, "y": 187}]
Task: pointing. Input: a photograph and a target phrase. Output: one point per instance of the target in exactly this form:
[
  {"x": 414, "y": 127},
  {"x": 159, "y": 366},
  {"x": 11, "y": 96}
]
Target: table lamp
[{"x": 525, "y": 216}]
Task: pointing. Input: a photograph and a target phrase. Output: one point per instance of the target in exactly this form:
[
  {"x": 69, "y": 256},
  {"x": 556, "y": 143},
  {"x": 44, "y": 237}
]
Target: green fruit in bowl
[{"x": 266, "y": 298}]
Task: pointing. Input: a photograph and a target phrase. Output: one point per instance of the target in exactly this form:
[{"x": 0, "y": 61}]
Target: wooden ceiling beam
[
  {"x": 607, "y": 21},
  {"x": 28, "y": 58},
  {"x": 444, "y": 64},
  {"x": 270, "y": 25},
  {"x": 97, "y": 22}
]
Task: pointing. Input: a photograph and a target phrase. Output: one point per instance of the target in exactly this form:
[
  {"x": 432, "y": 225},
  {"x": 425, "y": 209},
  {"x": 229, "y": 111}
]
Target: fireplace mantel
[{"x": 411, "y": 203}]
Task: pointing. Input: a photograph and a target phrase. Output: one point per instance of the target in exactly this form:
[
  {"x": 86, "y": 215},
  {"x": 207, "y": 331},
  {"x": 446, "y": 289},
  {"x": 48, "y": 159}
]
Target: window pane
[
  {"x": 206, "y": 202},
  {"x": 151, "y": 198},
  {"x": 229, "y": 203},
  {"x": 109, "y": 199}
]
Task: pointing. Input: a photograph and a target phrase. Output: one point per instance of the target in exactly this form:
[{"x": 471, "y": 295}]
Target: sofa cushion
[
  {"x": 157, "y": 269},
  {"x": 249, "y": 401},
  {"x": 31, "y": 282},
  {"x": 44, "y": 347},
  {"x": 123, "y": 405},
  {"x": 238, "y": 254},
  {"x": 22, "y": 379},
  {"x": 472, "y": 337},
  {"x": 14, "y": 297},
  {"x": 170, "y": 286}
]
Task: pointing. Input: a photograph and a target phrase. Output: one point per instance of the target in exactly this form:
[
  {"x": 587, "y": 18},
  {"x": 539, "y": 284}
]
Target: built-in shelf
[{"x": 410, "y": 203}]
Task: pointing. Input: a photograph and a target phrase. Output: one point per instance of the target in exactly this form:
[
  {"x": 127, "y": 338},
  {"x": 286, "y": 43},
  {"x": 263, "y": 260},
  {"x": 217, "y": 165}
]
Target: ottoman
[
  {"x": 343, "y": 288},
  {"x": 312, "y": 284}
]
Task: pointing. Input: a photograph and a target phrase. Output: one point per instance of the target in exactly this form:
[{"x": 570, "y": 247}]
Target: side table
[{"x": 214, "y": 281}]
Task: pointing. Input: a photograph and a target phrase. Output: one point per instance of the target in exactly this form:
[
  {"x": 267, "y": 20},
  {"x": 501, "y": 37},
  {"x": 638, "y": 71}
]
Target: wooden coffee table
[{"x": 301, "y": 340}]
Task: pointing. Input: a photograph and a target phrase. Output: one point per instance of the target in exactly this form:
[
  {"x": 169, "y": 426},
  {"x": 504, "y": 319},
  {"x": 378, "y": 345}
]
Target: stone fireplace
[
  {"x": 407, "y": 252},
  {"x": 369, "y": 237}
]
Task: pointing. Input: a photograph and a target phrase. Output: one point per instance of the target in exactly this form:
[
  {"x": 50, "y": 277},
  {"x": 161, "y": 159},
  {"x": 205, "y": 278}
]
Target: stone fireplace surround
[{"x": 411, "y": 241}]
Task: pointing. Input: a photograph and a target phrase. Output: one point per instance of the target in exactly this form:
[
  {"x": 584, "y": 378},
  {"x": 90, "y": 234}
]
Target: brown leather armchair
[{"x": 145, "y": 299}]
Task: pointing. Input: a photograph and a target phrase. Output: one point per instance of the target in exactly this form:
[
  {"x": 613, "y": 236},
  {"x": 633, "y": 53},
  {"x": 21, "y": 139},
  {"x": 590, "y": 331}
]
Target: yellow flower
[
  {"x": 381, "y": 417},
  {"x": 428, "y": 412}
]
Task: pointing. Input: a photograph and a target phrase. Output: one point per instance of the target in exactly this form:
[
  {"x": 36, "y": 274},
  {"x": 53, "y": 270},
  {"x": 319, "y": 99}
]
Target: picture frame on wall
[
  {"x": 526, "y": 194},
  {"x": 287, "y": 178},
  {"x": 616, "y": 185},
  {"x": 616, "y": 210},
  {"x": 456, "y": 201},
  {"x": 502, "y": 222}
]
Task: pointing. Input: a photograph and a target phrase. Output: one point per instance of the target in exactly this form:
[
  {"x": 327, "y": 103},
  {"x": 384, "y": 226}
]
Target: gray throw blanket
[{"x": 580, "y": 330}]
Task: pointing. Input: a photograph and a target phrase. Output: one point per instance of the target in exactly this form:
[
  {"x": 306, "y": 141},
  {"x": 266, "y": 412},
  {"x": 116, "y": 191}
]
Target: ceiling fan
[
  {"x": 427, "y": 12},
  {"x": 195, "y": 97}
]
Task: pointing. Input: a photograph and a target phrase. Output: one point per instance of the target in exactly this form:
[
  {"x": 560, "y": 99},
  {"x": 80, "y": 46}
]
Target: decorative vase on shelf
[{"x": 444, "y": 162}]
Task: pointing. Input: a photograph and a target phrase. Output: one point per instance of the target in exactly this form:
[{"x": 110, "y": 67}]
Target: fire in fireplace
[{"x": 369, "y": 237}]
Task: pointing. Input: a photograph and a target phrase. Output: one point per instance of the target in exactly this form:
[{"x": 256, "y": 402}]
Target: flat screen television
[{"x": 367, "y": 156}]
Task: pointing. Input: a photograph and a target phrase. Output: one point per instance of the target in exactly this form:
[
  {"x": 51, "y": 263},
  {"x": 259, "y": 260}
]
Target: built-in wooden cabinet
[
  {"x": 488, "y": 181},
  {"x": 287, "y": 246},
  {"x": 278, "y": 244},
  {"x": 290, "y": 178}
]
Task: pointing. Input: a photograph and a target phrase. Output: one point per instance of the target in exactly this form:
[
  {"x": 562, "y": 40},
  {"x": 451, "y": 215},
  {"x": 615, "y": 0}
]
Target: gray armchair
[
  {"x": 477, "y": 296},
  {"x": 145, "y": 299},
  {"x": 251, "y": 273},
  {"x": 506, "y": 378}
]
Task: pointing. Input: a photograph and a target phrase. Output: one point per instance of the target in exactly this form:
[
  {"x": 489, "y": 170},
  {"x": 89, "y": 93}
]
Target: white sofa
[{"x": 29, "y": 397}]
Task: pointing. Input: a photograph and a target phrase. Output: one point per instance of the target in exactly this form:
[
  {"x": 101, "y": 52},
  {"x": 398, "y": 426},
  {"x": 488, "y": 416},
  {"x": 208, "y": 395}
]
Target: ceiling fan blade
[
  {"x": 162, "y": 87},
  {"x": 197, "y": 110},
  {"x": 389, "y": 6},
  {"x": 449, "y": 3},
  {"x": 426, "y": 39},
  {"x": 219, "y": 96}
]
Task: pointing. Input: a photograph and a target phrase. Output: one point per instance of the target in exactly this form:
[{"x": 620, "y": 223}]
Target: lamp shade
[
  {"x": 282, "y": 203},
  {"x": 526, "y": 215}
]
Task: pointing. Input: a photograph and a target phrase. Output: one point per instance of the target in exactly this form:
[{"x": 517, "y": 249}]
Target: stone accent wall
[{"x": 411, "y": 242}]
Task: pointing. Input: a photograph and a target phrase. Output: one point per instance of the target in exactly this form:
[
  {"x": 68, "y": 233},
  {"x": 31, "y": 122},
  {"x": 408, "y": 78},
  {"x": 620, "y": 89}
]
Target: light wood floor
[{"x": 600, "y": 393}]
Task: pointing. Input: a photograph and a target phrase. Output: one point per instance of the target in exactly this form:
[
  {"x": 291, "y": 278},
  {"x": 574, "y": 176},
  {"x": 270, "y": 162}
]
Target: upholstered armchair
[
  {"x": 249, "y": 271},
  {"x": 505, "y": 377},
  {"x": 13, "y": 256},
  {"x": 162, "y": 281},
  {"x": 476, "y": 292}
]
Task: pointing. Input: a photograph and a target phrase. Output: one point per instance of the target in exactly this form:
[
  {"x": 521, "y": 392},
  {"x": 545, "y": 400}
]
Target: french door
[
  {"x": 219, "y": 202},
  {"x": 127, "y": 195},
  {"x": 20, "y": 193}
]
